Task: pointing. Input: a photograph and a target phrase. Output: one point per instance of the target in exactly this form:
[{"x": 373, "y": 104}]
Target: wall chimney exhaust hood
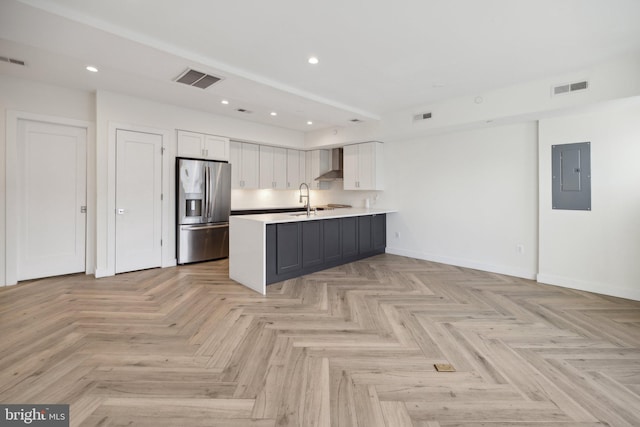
[{"x": 335, "y": 174}]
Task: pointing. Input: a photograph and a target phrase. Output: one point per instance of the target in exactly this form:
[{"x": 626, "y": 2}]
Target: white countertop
[{"x": 276, "y": 218}]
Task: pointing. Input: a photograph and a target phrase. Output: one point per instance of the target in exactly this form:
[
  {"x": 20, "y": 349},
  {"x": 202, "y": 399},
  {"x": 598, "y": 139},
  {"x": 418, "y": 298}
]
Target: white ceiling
[{"x": 376, "y": 56}]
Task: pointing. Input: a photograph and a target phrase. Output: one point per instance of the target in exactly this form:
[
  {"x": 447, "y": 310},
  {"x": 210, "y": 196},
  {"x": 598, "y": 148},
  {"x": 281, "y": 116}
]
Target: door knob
[{"x": 120, "y": 211}]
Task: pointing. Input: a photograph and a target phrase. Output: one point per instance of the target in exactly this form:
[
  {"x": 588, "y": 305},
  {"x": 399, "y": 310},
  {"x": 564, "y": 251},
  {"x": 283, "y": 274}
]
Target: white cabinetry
[
  {"x": 202, "y": 146},
  {"x": 318, "y": 162},
  {"x": 273, "y": 167},
  {"x": 296, "y": 168},
  {"x": 245, "y": 166},
  {"x": 263, "y": 166},
  {"x": 363, "y": 166}
]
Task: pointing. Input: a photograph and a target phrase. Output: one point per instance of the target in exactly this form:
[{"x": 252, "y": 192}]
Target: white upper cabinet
[
  {"x": 216, "y": 148},
  {"x": 202, "y": 146},
  {"x": 264, "y": 166},
  {"x": 317, "y": 163},
  {"x": 296, "y": 168},
  {"x": 302, "y": 171},
  {"x": 350, "y": 167},
  {"x": 245, "y": 166},
  {"x": 363, "y": 166},
  {"x": 273, "y": 167}
]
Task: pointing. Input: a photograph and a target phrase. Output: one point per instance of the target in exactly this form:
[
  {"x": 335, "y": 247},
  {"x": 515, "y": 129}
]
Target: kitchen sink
[{"x": 319, "y": 209}]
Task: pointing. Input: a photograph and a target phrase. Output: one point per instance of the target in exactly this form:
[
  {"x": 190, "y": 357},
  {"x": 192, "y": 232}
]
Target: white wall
[
  {"x": 597, "y": 250},
  {"x": 33, "y": 99},
  {"x": 343, "y": 135},
  {"x": 615, "y": 79},
  {"x": 28, "y": 98},
  {"x": 527, "y": 101},
  {"x": 118, "y": 110},
  {"x": 466, "y": 198},
  {"x": 123, "y": 108}
]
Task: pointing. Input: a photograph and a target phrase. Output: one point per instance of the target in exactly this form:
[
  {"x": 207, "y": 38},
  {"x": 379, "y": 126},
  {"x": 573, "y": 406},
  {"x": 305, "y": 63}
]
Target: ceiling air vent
[
  {"x": 11, "y": 60},
  {"x": 197, "y": 79},
  {"x": 355, "y": 121},
  {"x": 243, "y": 110},
  {"x": 423, "y": 116},
  {"x": 569, "y": 87}
]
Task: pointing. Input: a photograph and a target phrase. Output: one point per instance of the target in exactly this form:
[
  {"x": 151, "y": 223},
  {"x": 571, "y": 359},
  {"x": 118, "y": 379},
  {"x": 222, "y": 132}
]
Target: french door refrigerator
[{"x": 204, "y": 204}]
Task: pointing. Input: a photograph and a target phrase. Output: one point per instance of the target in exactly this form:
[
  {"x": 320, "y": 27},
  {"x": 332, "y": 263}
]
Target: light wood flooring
[{"x": 350, "y": 346}]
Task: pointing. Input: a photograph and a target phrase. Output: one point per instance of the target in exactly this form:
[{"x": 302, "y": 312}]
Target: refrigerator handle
[
  {"x": 210, "y": 195},
  {"x": 205, "y": 195},
  {"x": 215, "y": 191}
]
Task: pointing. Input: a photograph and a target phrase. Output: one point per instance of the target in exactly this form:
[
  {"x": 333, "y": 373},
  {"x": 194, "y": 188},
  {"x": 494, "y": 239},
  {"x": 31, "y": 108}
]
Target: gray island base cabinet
[
  {"x": 269, "y": 248},
  {"x": 297, "y": 248}
]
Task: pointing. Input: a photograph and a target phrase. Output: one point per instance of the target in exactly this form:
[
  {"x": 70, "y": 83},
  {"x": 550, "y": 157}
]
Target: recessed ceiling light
[
  {"x": 224, "y": 101},
  {"x": 273, "y": 113},
  {"x": 309, "y": 122},
  {"x": 92, "y": 68},
  {"x": 313, "y": 60}
]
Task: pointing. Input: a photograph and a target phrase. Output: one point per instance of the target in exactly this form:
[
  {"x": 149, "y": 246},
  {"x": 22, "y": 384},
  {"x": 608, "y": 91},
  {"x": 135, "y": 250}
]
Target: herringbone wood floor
[{"x": 351, "y": 346}]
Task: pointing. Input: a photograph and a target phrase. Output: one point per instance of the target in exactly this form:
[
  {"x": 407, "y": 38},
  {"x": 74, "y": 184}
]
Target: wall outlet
[{"x": 520, "y": 249}]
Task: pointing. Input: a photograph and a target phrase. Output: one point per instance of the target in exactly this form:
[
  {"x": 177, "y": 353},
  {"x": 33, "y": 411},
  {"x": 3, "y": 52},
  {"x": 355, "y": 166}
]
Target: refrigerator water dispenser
[{"x": 193, "y": 207}]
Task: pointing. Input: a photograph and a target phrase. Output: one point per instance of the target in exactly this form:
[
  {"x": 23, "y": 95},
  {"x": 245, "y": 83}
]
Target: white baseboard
[
  {"x": 106, "y": 273},
  {"x": 500, "y": 269},
  {"x": 103, "y": 272},
  {"x": 583, "y": 285},
  {"x": 548, "y": 279},
  {"x": 172, "y": 263}
]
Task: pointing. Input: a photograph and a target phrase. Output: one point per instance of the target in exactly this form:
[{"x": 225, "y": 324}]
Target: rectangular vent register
[
  {"x": 570, "y": 87},
  {"x": 197, "y": 79}
]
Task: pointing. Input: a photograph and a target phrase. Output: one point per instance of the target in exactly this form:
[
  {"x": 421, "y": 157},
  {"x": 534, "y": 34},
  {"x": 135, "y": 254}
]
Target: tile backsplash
[{"x": 261, "y": 199}]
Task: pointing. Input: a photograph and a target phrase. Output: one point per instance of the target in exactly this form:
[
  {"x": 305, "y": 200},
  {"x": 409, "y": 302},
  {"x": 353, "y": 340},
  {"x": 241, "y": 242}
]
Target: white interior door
[
  {"x": 138, "y": 201},
  {"x": 52, "y": 199}
]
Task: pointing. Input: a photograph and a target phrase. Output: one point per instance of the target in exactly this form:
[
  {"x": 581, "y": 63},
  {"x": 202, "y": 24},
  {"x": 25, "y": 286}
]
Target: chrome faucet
[{"x": 308, "y": 206}]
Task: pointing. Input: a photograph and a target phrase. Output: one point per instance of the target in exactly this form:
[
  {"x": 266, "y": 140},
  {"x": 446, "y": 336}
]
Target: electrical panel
[{"x": 571, "y": 176}]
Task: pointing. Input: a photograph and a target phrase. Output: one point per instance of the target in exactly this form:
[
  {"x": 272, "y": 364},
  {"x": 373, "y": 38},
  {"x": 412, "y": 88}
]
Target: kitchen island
[{"x": 269, "y": 248}]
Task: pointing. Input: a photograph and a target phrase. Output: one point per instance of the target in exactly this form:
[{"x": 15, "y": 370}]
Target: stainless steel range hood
[{"x": 335, "y": 174}]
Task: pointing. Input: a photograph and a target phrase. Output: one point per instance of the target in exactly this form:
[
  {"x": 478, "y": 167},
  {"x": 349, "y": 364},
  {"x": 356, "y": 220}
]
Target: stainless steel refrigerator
[{"x": 204, "y": 204}]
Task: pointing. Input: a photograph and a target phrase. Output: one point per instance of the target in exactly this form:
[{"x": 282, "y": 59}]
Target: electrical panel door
[{"x": 571, "y": 176}]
